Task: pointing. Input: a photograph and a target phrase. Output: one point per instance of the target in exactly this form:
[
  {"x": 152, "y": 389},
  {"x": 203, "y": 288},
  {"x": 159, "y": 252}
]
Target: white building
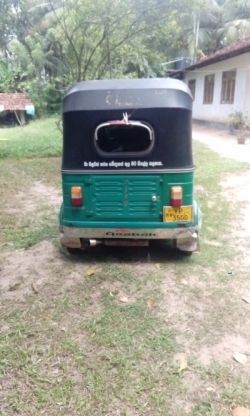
[{"x": 220, "y": 83}]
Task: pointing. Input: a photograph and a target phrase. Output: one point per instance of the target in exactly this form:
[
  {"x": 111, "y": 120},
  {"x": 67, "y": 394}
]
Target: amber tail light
[
  {"x": 176, "y": 196},
  {"x": 76, "y": 196}
]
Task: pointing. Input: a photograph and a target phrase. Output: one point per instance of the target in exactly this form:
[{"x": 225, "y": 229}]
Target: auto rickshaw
[{"x": 127, "y": 167}]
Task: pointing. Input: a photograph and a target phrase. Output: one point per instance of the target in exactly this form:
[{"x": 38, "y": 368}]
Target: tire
[
  {"x": 73, "y": 251},
  {"x": 186, "y": 253}
]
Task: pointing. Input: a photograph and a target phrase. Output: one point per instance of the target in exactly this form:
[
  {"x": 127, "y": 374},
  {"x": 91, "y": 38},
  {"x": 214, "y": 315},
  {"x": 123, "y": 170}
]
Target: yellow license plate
[{"x": 182, "y": 214}]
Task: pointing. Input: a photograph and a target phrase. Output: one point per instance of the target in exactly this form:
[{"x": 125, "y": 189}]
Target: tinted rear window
[{"x": 132, "y": 138}]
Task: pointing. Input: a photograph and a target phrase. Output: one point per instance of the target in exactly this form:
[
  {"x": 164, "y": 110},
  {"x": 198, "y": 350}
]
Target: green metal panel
[
  {"x": 123, "y": 197},
  {"x": 126, "y": 197}
]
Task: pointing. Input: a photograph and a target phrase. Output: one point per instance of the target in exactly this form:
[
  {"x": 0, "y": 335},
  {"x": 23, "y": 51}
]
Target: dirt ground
[
  {"x": 222, "y": 142},
  {"x": 41, "y": 259},
  {"x": 42, "y": 262}
]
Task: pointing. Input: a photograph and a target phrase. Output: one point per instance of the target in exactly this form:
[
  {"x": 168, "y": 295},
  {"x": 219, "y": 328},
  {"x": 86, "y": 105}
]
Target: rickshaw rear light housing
[
  {"x": 176, "y": 196},
  {"x": 76, "y": 196}
]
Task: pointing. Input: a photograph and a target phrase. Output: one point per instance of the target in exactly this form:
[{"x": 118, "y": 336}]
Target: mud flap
[{"x": 187, "y": 244}]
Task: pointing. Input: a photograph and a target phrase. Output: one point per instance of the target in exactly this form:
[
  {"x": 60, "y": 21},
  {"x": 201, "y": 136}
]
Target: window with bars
[
  {"x": 191, "y": 84},
  {"x": 208, "y": 89},
  {"x": 228, "y": 87}
]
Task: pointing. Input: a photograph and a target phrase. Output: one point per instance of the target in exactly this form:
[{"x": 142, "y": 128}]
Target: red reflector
[
  {"x": 76, "y": 196},
  {"x": 176, "y": 196},
  {"x": 76, "y": 201},
  {"x": 176, "y": 202}
]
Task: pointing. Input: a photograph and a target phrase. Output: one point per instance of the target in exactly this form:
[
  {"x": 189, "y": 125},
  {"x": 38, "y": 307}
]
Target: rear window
[{"x": 120, "y": 137}]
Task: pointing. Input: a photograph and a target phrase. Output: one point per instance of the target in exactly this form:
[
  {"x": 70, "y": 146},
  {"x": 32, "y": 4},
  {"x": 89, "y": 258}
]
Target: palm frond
[
  {"x": 238, "y": 9},
  {"x": 212, "y": 5},
  {"x": 237, "y": 29}
]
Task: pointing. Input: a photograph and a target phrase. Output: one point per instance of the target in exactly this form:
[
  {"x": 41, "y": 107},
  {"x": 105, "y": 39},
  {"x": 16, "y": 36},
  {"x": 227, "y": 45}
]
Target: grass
[
  {"x": 217, "y": 221},
  {"x": 37, "y": 139},
  {"x": 74, "y": 348},
  {"x": 19, "y": 180},
  {"x": 107, "y": 354}
]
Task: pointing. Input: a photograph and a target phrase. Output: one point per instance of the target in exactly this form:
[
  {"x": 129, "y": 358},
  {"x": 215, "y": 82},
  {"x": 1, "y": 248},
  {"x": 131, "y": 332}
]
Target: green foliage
[
  {"x": 237, "y": 119},
  {"x": 47, "y": 46},
  {"x": 81, "y": 39},
  {"x": 219, "y": 23}
]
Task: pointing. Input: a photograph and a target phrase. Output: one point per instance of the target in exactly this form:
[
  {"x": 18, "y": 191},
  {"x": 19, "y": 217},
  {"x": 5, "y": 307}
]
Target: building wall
[
  {"x": 247, "y": 88},
  {"x": 216, "y": 111}
]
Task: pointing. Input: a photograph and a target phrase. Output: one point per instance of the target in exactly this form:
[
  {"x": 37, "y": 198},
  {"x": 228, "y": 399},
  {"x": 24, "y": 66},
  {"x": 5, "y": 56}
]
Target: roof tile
[
  {"x": 235, "y": 49},
  {"x": 14, "y": 101}
]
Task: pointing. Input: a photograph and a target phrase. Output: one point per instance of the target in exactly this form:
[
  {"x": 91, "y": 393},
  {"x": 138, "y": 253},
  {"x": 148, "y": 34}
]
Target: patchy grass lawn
[
  {"x": 37, "y": 139},
  {"x": 119, "y": 331}
]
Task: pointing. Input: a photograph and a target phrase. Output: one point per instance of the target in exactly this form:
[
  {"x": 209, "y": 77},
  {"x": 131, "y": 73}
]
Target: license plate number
[{"x": 182, "y": 214}]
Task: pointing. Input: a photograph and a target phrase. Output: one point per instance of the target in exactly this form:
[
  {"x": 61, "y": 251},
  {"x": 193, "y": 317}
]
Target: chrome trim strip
[
  {"x": 136, "y": 233},
  {"x": 128, "y": 172}
]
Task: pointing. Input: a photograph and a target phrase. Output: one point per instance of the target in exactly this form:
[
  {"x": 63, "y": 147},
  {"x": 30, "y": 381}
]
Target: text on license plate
[{"x": 182, "y": 214}]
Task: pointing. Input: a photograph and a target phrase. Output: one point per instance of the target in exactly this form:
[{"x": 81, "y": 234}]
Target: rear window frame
[{"x": 113, "y": 154}]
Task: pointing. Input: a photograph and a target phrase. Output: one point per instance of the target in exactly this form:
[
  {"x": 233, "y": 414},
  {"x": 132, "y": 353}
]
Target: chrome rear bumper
[{"x": 186, "y": 238}]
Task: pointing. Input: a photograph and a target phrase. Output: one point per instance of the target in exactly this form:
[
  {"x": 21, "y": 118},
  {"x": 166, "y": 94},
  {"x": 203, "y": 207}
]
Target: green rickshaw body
[{"x": 127, "y": 169}]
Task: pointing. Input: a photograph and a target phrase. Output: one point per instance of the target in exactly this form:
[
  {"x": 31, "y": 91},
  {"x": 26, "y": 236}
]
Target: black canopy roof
[
  {"x": 165, "y": 104},
  {"x": 127, "y": 93}
]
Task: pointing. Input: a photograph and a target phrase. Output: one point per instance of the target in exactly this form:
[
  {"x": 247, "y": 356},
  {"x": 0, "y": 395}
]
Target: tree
[
  {"x": 219, "y": 24},
  {"x": 51, "y": 44},
  {"x": 108, "y": 37}
]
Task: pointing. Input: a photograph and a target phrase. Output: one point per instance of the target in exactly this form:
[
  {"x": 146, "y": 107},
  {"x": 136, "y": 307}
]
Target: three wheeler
[{"x": 127, "y": 166}]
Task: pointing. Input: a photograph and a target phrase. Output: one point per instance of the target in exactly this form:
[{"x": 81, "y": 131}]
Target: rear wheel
[
  {"x": 73, "y": 251},
  {"x": 186, "y": 253}
]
